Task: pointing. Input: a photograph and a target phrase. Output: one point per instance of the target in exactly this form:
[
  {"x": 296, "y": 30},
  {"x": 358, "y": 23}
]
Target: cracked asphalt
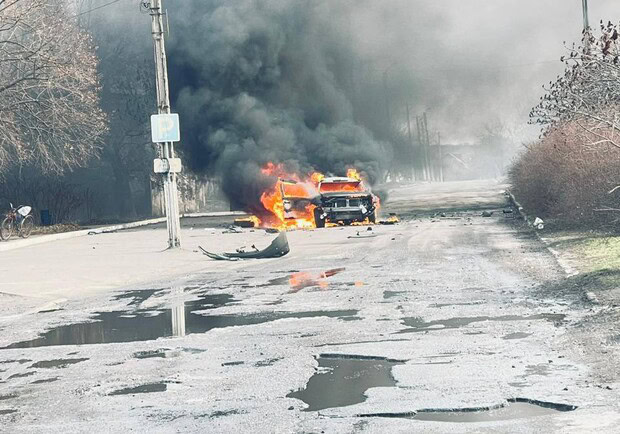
[{"x": 445, "y": 313}]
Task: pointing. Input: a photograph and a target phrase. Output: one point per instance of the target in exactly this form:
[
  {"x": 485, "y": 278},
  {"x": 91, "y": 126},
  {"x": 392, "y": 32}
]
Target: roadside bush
[{"x": 568, "y": 176}]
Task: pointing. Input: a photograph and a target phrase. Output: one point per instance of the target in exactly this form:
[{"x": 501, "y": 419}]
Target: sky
[{"x": 467, "y": 63}]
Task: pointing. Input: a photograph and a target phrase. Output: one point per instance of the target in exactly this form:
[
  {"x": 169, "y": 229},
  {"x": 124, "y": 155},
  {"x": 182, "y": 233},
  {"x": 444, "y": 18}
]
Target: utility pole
[
  {"x": 387, "y": 101},
  {"x": 411, "y": 147},
  {"x": 440, "y": 156},
  {"x": 427, "y": 140},
  {"x": 586, "y": 18},
  {"x": 166, "y": 151}
]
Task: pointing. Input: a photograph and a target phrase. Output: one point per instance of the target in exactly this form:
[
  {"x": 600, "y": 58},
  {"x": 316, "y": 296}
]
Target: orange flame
[
  {"x": 295, "y": 186},
  {"x": 289, "y": 186},
  {"x": 353, "y": 174}
]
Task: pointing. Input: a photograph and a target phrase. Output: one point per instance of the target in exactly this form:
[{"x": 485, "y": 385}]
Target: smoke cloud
[
  {"x": 313, "y": 83},
  {"x": 268, "y": 81}
]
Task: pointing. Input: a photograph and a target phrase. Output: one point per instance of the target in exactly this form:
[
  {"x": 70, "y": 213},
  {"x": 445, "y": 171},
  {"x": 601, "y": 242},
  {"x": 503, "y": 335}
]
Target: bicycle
[{"x": 17, "y": 219}]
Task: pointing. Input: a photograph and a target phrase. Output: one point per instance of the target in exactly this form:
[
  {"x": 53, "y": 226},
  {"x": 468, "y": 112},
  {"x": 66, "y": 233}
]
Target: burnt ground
[{"x": 446, "y": 322}]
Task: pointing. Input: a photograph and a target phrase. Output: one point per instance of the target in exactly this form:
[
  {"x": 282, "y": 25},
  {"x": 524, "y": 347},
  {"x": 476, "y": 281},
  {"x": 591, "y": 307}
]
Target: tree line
[{"x": 570, "y": 174}]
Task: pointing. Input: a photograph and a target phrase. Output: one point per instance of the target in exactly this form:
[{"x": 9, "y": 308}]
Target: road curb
[
  {"x": 568, "y": 270},
  {"x": 6, "y": 246},
  {"x": 517, "y": 205}
]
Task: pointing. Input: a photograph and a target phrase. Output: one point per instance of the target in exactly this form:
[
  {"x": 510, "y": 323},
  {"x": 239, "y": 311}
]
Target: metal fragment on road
[{"x": 278, "y": 248}]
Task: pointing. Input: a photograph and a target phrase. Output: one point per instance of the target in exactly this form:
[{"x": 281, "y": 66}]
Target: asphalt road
[{"x": 446, "y": 322}]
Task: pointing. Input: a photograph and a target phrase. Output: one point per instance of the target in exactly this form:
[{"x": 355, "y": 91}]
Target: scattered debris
[
  {"x": 232, "y": 229},
  {"x": 539, "y": 223},
  {"x": 278, "y": 248},
  {"x": 362, "y": 235}
]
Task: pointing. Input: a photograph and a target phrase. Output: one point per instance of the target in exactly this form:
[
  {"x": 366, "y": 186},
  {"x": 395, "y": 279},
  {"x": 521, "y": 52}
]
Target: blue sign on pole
[{"x": 165, "y": 128}]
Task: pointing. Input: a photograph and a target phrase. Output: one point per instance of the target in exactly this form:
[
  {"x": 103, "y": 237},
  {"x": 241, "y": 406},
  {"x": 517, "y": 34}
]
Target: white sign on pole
[
  {"x": 165, "y": 165},
  {"x": 165, "y": 128}
]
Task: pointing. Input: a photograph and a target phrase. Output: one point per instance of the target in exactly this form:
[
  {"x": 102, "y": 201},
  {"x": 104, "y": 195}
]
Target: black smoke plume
[{"x": 259, "y": 81}]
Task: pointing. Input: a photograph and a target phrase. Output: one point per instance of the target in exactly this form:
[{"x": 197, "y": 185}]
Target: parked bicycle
[{"x": 17, "y": 220}]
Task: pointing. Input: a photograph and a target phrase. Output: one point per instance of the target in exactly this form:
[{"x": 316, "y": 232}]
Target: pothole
[
  {"x": 342, "y": 380},
  {"x": 514, "y": 408},
  {"x": 417, "y": 324},
  {"x": 57, "y": 363},
  {"x": 45, "y": 380},
  {"x": 518, "y": 335},
  {"x": 7, "y": 411},
  {"x": 144, "y": 388}
]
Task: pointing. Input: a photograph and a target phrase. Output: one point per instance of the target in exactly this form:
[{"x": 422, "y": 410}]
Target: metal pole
[
  {"x": 387, "y": 101},
  {"x": 411, "y": 148},
  {"x": 440, "y": 156},
  {"x": 586, "y": 19},
  {"x": 163, "y": 107}
]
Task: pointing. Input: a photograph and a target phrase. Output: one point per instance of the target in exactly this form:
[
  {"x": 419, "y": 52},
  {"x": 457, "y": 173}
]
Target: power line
[{"x": 96, "y": 8}]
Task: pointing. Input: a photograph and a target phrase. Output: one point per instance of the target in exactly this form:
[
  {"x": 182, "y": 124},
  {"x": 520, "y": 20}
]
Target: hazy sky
[
  {"x": 468, "y": 62},
  {"x": 474, "y": 61}
]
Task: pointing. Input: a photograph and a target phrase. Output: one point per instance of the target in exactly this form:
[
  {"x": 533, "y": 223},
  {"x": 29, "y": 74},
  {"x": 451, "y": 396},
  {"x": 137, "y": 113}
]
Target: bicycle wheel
[
  {"x": 25, "y": 227},
  {"x": 6, "y": 229}
]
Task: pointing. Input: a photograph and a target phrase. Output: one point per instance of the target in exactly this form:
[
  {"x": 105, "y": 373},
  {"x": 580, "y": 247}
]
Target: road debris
[
  {"x": 362, "y": 235},
  {"x": 487, "y": 213},
  {"x": 539, "y": 223},
  {"x": 232, "y": 229},
  {"x": 391, "y": 220},
  {"x": 278, "y": 248}
]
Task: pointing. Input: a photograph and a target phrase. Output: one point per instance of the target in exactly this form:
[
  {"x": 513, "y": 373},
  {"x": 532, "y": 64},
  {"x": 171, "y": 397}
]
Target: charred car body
[
  {"x": 344, "y": 200},
  {"x": 334, "y": 200}
]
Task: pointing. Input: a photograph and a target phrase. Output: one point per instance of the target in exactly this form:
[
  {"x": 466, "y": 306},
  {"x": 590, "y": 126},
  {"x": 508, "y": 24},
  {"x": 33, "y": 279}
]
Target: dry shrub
[{"x": 567, "y": 176}]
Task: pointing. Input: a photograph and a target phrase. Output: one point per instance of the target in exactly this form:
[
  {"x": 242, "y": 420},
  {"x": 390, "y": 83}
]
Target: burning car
[
  {"x": 313, "y": 200},
  {"x": 344, "y": 200}
]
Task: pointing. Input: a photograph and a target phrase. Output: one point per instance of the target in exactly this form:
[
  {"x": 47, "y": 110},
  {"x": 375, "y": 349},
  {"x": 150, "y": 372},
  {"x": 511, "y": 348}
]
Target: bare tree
[
  {"x": 49, "y": 105},
  {"x": 588, "y": 94}
]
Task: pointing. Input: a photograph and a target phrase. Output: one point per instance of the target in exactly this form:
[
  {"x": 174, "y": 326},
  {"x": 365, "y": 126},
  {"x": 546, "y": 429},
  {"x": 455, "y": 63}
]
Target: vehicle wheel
[
  {"x": 372, "y": 218},
  {"x": 347, "y": 222},
  {"x": 26, "y": 226},
  {"x": 6, "y": 229},
  {"x": 318, "y": 221}
]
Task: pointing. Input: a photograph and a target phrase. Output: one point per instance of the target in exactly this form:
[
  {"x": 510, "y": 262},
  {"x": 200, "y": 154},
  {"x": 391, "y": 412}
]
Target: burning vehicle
[
  {"x": 313, "y": 201},
  {"x": 344, "y": 200}
]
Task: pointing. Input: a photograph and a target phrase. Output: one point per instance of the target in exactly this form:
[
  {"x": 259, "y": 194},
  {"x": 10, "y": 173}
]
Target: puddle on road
[
  {"x": 342, "y": 380},
  {"x": 145, "y": 388},
  {"x": 417, "y": 324},
  {"x": 516, "y": 408},
  {"x": 518, "y": 335},
  {"x": 45, "y": 380},
  {"x": 8, "y": 411},
  {"x": 143, "y": 325},
  {"x": 392, "y": 294},
  {"x": 26, "y": 374},
  {"x": 58, "y": 363}
]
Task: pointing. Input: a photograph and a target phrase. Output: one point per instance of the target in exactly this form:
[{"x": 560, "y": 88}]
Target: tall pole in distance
[
  {"x": 411, "y": 148},
  {"x": 586, "y": 18},
  {"x": 166, "y": 150}
]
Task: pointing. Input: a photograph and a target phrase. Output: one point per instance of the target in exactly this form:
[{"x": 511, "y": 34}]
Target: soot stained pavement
[{"x": 436, "y": 324}]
